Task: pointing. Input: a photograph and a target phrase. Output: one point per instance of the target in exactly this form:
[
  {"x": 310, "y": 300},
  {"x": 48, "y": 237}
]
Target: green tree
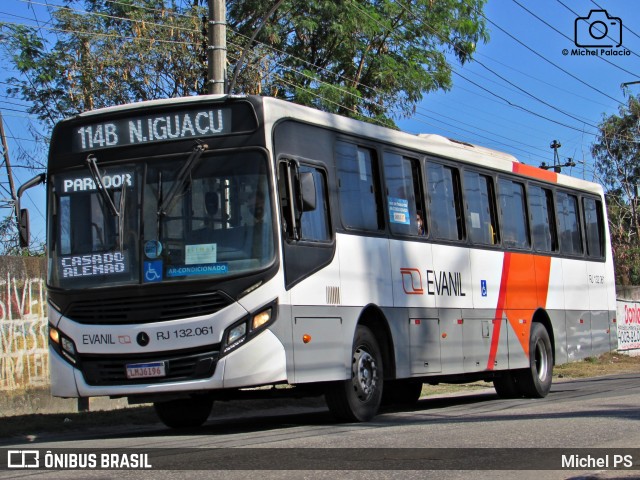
[
  {"x": 10, "y": 243},
  {"x": 361, "y": 58},
  {"x": 109, "y": 53},
  {"x": 617, "y": 155},
  {"x": 370, "y": 59}
]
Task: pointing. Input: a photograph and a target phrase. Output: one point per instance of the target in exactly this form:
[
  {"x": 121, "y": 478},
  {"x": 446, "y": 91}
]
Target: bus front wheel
[
  {"x": 535, "y": 381},
  {"x": 184, "y": 412},
  {"x": 358, "y": 399}
]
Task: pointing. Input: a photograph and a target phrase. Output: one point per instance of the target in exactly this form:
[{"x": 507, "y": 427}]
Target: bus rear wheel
[
  {"x": 358, "y": 399},
  {"x": 535, "y": 381},
  {"x": 506, "y": 385},
  {"x": 185, "y": 412}
]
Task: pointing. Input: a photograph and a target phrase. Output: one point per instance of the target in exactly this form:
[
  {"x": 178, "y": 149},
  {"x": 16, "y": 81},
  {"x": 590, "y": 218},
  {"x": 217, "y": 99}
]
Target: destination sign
[
  {"x": 143, "y": 129},
  {"x": 109, "y": 263}
]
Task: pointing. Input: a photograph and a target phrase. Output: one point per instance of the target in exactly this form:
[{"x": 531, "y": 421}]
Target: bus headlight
[
  {"x": 261, "y": 319},
  {"x": 244, "y": 330},
  {"x": 62, "y": 344},
  {"x": 236, "y": 333}
]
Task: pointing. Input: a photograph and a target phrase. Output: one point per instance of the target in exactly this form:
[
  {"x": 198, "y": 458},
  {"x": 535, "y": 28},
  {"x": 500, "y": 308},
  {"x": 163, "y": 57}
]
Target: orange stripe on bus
[
  {"x": 497, "y": 319},
  {"x": 535, "y": 172},
  {"x": 523, "y": 289}
]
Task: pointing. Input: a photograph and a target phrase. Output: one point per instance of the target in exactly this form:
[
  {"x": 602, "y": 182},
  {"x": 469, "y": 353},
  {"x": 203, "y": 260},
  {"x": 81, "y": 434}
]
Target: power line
[
  {"x": 317, "y": 68},
  {"x": 549, "y": 61},
  {"x": 556, "y": 87},
  {"x": 516, "y": 105},
  {"x": 383, "y": 26},
  {"x": 569, "y": 38},
  {"x": 623, "y": 25}
]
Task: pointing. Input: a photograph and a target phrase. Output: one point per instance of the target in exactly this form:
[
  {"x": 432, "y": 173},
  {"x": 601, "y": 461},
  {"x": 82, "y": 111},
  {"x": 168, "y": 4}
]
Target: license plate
[{"x": 146, "y": 370}]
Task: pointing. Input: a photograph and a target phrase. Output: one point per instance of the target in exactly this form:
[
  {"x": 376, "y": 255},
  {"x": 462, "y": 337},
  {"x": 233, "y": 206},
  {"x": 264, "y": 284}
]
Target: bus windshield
[{"x": 164, "y": 223}]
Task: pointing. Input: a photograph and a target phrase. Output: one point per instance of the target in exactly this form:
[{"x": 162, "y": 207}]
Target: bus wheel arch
[
  {"x": 373, "y": 318},
  {"x": 359, "y": 398},
  {"x": 541, "y": 316}
]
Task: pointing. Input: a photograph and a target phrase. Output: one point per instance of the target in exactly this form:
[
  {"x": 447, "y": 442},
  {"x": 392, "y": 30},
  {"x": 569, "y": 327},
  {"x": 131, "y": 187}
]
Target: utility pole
[
  {"x": 555, "y": 145},
  {"x": 557, "y": 166},
  {"x": 217, "y": 47},
  {"x": 9, "y": 187}
]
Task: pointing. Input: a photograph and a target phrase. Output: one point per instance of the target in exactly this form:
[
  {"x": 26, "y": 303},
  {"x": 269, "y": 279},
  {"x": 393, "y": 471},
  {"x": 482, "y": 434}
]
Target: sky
[{"x": 527, "y": 86}]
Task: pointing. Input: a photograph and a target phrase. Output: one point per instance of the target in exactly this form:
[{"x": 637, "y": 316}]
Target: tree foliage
[
  {"x": 356, "y": 57},
  {"x": 107, "y": 53},
  {"x": 617, "y": 155},
  {"x": 10, "y": 243},
  {"x": 369, "y": 59}
]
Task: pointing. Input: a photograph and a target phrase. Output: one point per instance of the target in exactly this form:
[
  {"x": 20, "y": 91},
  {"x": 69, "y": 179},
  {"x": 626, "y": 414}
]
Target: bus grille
[
  {"x": 148, "y": 309},
  {"x": 100, "y": 371}
]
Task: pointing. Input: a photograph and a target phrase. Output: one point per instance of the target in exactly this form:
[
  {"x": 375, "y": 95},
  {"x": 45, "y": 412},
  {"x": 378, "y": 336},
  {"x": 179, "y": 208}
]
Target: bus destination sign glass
[{"x": 143, "y": 129}]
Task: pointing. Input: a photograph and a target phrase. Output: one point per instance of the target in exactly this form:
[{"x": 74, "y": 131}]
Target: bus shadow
[{"x": 310, "y": 414}]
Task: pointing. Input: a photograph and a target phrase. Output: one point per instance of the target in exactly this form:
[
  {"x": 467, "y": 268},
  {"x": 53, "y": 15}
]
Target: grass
[
  {"x": 30, "y": 427},
  {"x": 607, "y": 364}
]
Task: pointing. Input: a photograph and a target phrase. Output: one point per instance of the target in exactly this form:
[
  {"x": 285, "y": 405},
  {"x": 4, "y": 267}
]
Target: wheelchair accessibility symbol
[{"x": 153, "y": 271}]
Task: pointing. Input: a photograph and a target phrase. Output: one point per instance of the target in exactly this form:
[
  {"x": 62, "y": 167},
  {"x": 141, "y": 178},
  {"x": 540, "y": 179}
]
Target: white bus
[{"x": 201, "y": 247}]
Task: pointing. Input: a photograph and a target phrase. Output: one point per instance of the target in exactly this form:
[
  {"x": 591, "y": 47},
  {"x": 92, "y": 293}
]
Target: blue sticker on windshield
[
  {"x": 152, "y": 249},
  {"x": 204, "y": 269},
  {"x": 153, "y": 271}
]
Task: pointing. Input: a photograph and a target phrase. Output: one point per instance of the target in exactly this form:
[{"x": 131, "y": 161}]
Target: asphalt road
[{"x": 589, "y": 420}]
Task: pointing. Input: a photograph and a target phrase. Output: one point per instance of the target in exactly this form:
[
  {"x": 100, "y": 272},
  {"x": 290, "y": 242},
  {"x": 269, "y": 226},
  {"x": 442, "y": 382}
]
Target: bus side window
[
  {"x": 515, "y": 231},
  {"x": 569, "y": 224},
  {"x": 358, "y": 187},
  {"x": 543, "y": 220},
  {"x": 594, "y": 227},
  {"x": 404, "y": 195},
  {"x": 480, "y": 202},
  {"x": 445, "y": 202},
  {"x": 314, "y": 224}
]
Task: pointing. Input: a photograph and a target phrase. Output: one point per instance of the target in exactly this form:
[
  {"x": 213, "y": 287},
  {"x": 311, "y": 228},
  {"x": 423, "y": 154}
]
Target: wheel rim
[
  {"x": 364, "y": 374},
  {"x": 542, "y": 360}
]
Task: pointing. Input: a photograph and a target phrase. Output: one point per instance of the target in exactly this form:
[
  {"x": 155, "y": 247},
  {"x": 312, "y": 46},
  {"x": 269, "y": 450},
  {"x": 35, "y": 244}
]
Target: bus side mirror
[
  {"x": 308, "y": 191},
  {"x": 23, "y": 228},
  {"x": 23, "y": 214}
]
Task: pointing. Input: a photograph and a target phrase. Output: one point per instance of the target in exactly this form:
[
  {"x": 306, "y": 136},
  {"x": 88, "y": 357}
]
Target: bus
[{"x": 215, "y": 247}]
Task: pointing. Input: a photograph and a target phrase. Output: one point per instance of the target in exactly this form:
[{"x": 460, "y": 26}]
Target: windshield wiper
[
  {"x": 184, "y": 172},
  {"x": 97, "y": 178}
]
